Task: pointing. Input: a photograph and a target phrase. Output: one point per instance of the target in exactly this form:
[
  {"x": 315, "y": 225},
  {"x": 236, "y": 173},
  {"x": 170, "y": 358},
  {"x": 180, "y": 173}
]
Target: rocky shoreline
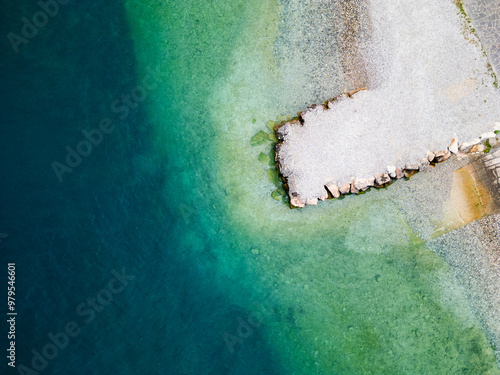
[{"x": 359, "y": 185}]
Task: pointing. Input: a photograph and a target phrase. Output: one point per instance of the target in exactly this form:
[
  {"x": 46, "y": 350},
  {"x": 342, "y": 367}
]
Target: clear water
[{"x": 176, "y": 196}]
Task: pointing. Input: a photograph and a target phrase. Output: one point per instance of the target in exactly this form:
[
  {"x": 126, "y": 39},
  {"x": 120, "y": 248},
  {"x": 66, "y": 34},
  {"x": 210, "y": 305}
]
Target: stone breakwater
[{"x": 359, "y": 185}]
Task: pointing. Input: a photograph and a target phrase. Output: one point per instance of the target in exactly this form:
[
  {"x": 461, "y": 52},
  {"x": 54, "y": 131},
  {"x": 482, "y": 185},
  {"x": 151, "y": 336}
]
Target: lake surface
[{"x": 217, "y": 276}]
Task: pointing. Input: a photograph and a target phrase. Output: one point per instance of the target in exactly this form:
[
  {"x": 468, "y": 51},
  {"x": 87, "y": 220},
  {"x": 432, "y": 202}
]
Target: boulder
[
  {"x": 465, "y": 147},
  {"x": 477, "y": 148},
  {"x": 442, "y": 156},
  {"x": 312, "y": 201},
  {"x": 487, "y": 135},
  {"x": 353, "y": 189},
  {"x": 297, "y": 201},
  {"x": 333, "y": 189},
  {"x": 391, "y": 171},
  {"x": 399, "y": 173},
  {"x": 345, "y": 189},
  {"x": 324, "y": 196},
  {"x": 410, "y": 169},
  {"x": 424, "y": 164},
  {"x": 382, "y": 179},
  {"x": 430, "y": 156},
  {"x": 363, "y": 183},
  {"x": 453, "y": 147}
]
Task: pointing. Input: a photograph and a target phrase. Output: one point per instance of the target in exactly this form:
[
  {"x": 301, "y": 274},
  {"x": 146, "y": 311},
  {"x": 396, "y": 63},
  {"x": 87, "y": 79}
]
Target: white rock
[
  {"x": 487, "y": 135},
  {"x": 430, "y": 156},
  {"x": 424, "y": 164},
  {"x": 382, "y": 179},
  {"x": 478, "y": 148},
  {"x": 363, "y": 183},
  {"x": 345, "y": 189},
  {"x": 297, "y": 202},
  {"x": 465, "y": 147},
  {"x": 453, "y": 147},
  {"x": 442, "y": 155},
  {"x": 312, "y": 201},
  {"x": 411, "y": 167},
  {"x": 391, "y": 170},
  {"x": 323, "y": 197},
  {"x": 493, "y": 141},
  {"x": 334, "y": 190}
]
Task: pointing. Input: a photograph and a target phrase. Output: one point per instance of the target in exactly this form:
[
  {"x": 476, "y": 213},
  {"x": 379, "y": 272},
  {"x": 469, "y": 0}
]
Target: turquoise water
[{"x": 224, "y": 279}]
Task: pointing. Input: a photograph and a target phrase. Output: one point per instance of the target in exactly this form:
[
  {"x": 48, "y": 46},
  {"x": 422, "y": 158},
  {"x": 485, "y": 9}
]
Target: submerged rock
[{"x": 259, "y": 138}]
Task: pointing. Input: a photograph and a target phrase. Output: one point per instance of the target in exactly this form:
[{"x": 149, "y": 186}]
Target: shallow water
[{"x": 227, "y": 280}]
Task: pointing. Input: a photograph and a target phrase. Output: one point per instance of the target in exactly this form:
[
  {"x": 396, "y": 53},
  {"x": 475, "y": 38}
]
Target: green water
[{"x": 342, "y": 288}]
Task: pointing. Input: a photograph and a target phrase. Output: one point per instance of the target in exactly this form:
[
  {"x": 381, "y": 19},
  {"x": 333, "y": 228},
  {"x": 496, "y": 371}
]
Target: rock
[
  {"x": 363, "y": 183},
  {"x": 465, "y": 147},
  {"x": 345, "y": 189},
  {"x": 271, "y": 124},
  {"x": 276, "y": 195},
  {"x": 297, "y": 201},
  {"x": 263, "y": 158},
  {"x": 411, "y": 167},
  {"x": 391, "y": 170},
  {"x": 399, "y": 173},
  {"x": 496, "y": 154},
  {"x": 424, "y": 164},
  {"x": 453, "y": 147},
  {"x": 323, "y": 197},
  {"x": 312, "y": 201},
  {"x": 410, "y": 170},
  {"x": 382, "y": 179},
  {"x": 353, "y": 189},
  {"x": 477, "y": 148},
  {"x": 493, "y": 141},
  {"x": 334, "y": 190},
  {"x": 442, "y": 156},
  {"x": 487, "y": 135},
  {"x": 272, "y": 137},
  {"x": 259, "y": 138},
  {"x": 430, "y": 156}
]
